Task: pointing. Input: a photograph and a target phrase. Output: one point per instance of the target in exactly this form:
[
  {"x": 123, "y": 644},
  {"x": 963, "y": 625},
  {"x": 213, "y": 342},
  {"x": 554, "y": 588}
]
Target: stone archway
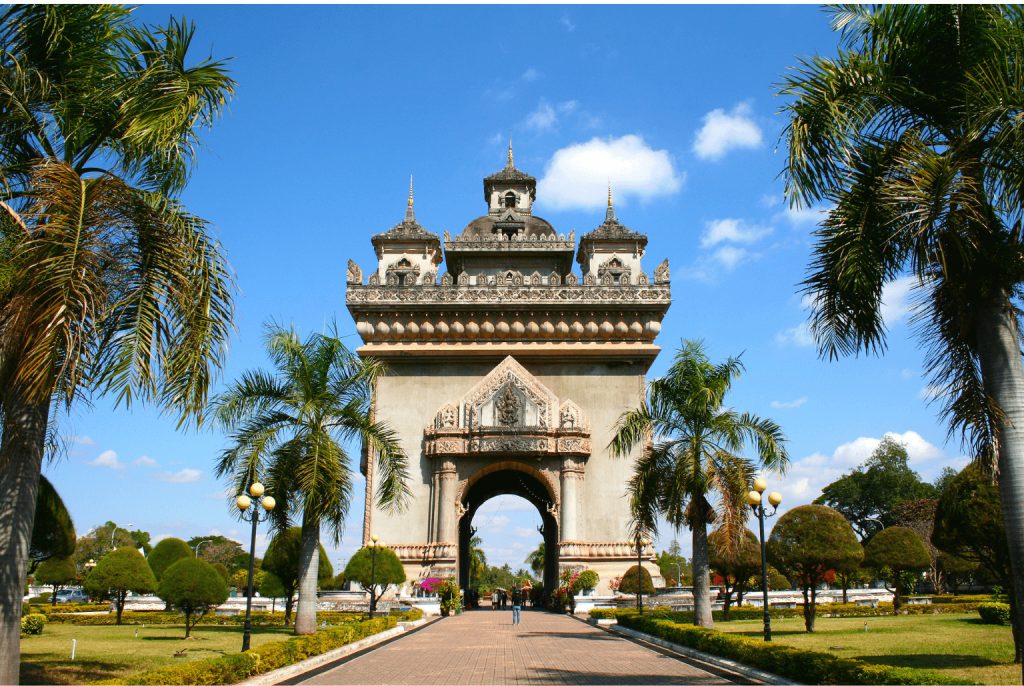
[{"x": 510, "y": 478}]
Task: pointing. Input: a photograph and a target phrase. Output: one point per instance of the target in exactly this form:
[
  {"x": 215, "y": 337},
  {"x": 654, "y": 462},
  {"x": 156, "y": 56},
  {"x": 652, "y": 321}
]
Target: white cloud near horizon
[
  {"x": 577, "y": 176},
  {"x": 108, "y": 459},
  {"x": 789, "y": 404},
  {"x": 732, "y": 230},
  {"x": 724, "y": 131},
  {"x": 183, "y": 476}
]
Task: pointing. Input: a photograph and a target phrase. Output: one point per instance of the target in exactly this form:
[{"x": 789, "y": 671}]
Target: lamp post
[
  {"x": 244, "y": 502},
  {"x": 641, "y": 543},
  {"x": 114, "y": 533},
  {"x": 757, "y": 505},
  {"x": 200, "y": 545},
  {"x": 374, "y": 543}
]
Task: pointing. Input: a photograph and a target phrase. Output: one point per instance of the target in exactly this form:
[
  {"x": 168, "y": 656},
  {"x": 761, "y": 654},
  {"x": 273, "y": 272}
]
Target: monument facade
[{"x": 507, "y": 373}]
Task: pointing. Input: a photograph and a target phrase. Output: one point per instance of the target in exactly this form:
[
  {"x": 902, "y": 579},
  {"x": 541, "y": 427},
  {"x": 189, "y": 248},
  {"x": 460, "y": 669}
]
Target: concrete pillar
[
  {"x": 571, "y": 474},
  {"x": 446, "y": 523}
]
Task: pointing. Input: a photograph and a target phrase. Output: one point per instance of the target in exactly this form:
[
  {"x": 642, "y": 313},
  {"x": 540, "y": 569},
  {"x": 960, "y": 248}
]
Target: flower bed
[
  {"x": 824, "y": 610},
  {"x": 806, "y": 666}
]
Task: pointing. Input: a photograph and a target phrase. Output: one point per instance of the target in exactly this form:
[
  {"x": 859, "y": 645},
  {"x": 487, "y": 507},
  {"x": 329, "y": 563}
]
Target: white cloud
[
  {"x": 577, "y": 176},
  {"x": 108, "y": 458},
  {"x": 896, "y": 300},
  {"x": 144, "y": 461},
  {"x": 805, "y": 216},
  {"x": 567, "y": 23},
  {"x": 799, "y": 335},
  {"x": 770, "y": 200},
  {"x": 542, "y": 118},
  {"x": 184, "y": 476},
  {"x": 507, "y": 503},
  {"x": 724, "y": 131},
  {"x": 732, "y": 230},
  {"x": 530, "y": 74},
  {"x": 930, "y": 393},
  {"x": 729, "y": 256},
  {"x": 82, "y": 440},
  {"x": 524, "y": 532},
  {"x": 789, "y": 404}
]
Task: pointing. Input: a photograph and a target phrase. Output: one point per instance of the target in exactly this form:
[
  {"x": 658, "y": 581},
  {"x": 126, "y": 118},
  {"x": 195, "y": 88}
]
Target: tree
[
  {"x": 807, "y": 543},
  {"x": 695, "y": 457},
  {"x": 375, "y": 575},
  {"x": 283, "y": 559},
  {"x": 110, "y": 286},
  {"x": 735, "y": 563},
  {"x": 270, "y": 586},
  {"x": 220, "y": 549},
  {"x": 167, "y": 552},
  {"x": 956, "y": 571},
  {"x": 849, "y": 573},
  {"x": 942, "y": 480},
  {"x": 870, "y": 495},
  {"x": 56, "y": 572},
  {"x": 674, "y": 566},
  {"x": 897, "y": 554},
  {"x": 776, "y": 580},
  {"x": 222, "y": 570},
  {"x": 97, "y": 542},
  {"x": 919, "y": 516},
  {"x": 536, "y": 560},
  {"x": 53, "y": 532},
  {"x": 908, "y": 133},
  {"x": 630, "y": 582},
  {"x": 969, "y": 524},
  {"x": 477, "y": 560},
  {"x": 296, "y": 421},
  {"x": 194, "y": 587},
  {"x": 118, "y": 573}
]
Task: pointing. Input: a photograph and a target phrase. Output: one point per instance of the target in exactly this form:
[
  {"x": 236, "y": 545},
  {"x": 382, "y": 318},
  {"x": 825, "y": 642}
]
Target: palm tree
[
  {"x": 108, "y": 284},
  {"x": 913, "y": 134},
  {"x": 536, "y": 560},
  {"x": 290, "y": 427},
  {"x": 690, "y": 457},
  {"x": 477, "y": 560}
]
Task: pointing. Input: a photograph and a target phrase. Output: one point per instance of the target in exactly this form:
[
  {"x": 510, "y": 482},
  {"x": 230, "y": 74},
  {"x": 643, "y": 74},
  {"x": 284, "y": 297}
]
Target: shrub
[
  {"x": 194, "y": 587},
  {"x": 41, "y": 599},
  {"x": 57, "y": 572},
  {"x": 265, "y": 658},
  {"x": 166, "y": 553},
  {"x": 32, "y": 625},
  {"x": 628, "y": 585},
  {"x": 119, "y": 572},
  {"x": 994, "y": 613},
  {"x": 805, "y": 666},
  {"x": 826, "y": 610},
  {"x": 896, "y": 554}
]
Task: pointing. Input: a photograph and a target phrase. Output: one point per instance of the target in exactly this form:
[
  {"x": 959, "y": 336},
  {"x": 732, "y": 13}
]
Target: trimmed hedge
[
  {"x": 958, "y": 599},
  {"x": 231, "y": 669},
  {"x": 154, "y": 617},
  {"x": 805, "y": 666},
  {"x": 65, "y": 608},
  {"x": 994, "y": 613},
  {"x": 32, "y": 625},
  {"x": 824, "y": 610}
]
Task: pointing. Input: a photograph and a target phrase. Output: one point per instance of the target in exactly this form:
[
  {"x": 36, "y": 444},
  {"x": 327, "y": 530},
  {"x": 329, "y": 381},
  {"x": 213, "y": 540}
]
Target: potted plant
[{"x": 451, "y": 597}]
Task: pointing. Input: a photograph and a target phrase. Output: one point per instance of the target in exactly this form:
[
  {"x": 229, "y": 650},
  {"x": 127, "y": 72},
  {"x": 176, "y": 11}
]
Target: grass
[
  {"x": 959, "y": 646},
  {"x": 107, "y": 652}
]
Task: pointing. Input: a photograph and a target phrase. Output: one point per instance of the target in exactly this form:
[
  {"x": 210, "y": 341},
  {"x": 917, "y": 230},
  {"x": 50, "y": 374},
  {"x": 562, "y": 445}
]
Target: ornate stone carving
[
  {"x": 589, "y": 280},
  {"x": 661, "y": 275},
  {"x": 463, "y": 279},
  {"x": 508, "y": 406},
  {"x": 447, "y": 417},
  {"x": 446, "y": 280},
  {"x": 571, "y": 280},
  {"x": 374, "y": 280},
  {"x": 354, "y": 275},
  {"x": 590, "y": 550},
  {"x": 554, "y": 279}
]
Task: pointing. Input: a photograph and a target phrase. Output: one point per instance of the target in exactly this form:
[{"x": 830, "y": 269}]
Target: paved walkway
[{"x": 482, "y": 647}]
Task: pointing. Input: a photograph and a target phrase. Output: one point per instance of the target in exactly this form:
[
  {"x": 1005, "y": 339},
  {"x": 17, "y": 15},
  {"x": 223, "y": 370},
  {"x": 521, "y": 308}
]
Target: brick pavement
[{"x": 482, "y": 647}]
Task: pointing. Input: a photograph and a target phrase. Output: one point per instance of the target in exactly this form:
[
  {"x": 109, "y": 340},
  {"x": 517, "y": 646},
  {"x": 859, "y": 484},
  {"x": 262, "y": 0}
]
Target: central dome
[{"x": 488, "y": 226}]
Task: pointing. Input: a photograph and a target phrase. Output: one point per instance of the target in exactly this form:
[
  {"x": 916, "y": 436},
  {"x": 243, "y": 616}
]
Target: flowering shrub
[
  {"x": 430, "y": 585},
  {"x": 451, "y": 596}
]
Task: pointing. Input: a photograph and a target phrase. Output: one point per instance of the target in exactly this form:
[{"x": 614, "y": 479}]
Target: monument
[{"x": 508, "y": 371}]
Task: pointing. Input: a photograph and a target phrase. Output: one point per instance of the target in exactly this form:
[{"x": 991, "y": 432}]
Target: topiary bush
[
  {"x": 32, "y": 625},
  {"x": 629, "y": 583},
  {"x": 193, "y": 587},
  {"x": 994, "y": 613}
]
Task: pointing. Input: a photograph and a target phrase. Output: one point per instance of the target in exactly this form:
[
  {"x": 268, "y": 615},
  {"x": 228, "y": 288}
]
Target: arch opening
[{"x": 524, "y": 484}]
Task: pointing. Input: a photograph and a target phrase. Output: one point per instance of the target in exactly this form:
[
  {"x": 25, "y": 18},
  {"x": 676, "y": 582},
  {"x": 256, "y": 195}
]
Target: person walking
[
  {"x": 494, "y": 599},
  {"x": 517, "y": 604}
]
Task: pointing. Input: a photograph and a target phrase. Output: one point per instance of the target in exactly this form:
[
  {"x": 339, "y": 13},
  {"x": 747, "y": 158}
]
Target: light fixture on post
[
  {"x": 114, "y": 533},
  {"x": 756, "y": 502},
  {"x": 374, "y": 543},
  {"x": 641, "y": 543},
  {"x": 244, "y": 503}
]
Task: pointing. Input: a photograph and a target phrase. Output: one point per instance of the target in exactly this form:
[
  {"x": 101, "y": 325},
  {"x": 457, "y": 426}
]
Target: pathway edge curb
[
  {"x": 724, "y": 663},
  {"x": 282, "y": 673}
]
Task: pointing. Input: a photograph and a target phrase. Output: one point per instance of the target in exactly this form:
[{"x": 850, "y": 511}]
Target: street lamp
[
  {"x": 114, "y": 533},
  {"x": 641, "y": 543},
  {"x": 374, "y": 544},
  {"x": 244, "y": 502},
  {"x": 200, "y": 545},
  {"x": 757, "y": 505}
]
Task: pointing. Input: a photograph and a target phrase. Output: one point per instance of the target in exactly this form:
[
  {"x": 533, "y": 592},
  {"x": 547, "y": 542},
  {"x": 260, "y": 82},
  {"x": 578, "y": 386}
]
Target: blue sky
[{"x": 337, "y": 106}]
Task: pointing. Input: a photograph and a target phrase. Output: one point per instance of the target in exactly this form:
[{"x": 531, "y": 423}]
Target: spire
[
  {"x": 511, "y": 164},
  {"x": 409, "y": 216},
  {"x": 609, "y": 215}
]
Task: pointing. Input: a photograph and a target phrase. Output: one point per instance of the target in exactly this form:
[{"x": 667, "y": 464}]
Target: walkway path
[{"x": 482, "y": 647}]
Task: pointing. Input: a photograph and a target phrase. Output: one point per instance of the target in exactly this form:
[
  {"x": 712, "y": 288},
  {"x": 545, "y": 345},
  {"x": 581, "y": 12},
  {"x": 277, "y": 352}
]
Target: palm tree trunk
[
  {"x": 701, "y": 567},
  {"x": 999, "y": 355},
  {"x": 305, "y": 614},
  {"x": 21, "y": 458}
]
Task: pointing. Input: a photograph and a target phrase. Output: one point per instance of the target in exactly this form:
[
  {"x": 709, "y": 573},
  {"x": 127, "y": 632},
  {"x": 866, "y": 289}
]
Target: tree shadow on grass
[
  {"x": 930, "y": 661},
  {"x": 54, "y": 672}
]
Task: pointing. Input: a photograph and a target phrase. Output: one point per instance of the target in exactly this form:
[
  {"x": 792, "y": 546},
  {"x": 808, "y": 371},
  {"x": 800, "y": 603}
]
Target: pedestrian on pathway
[
  {"x": 517, "y": 604},
  {"x": 494, "y": 600}
]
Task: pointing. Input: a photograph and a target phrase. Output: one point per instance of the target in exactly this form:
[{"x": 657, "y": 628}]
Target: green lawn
[
  {"x": 959, "y": 646},
  {"x": 106, "y": 652}
]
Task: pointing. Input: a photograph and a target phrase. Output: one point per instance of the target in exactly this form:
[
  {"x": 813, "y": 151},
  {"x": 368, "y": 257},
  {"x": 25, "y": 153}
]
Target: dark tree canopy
[
  {"x": 387, "y": 570},
  {"x": 167, "y": 552},
  {"x": 969, "y": 522},
  {"x": 119, "y": 572},
  {"x": 869, "y": 495},
  {"x": 808, "y": 542},
  {"x": 735, "y": 561},
  {"x": 194, "y": 587},
  {"x": 226, "y": 551},
  {"x": 56, "y": 572},
  {"x": 629, "y": 584},
  {"x": 53, "y": 534},
  {"x": 896, "y": 554},
  {"x": 674, "y": 566},
  {"x": 282, "y": 560}
]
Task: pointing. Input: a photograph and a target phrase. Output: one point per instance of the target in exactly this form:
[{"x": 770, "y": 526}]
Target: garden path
[{"x": 483, "y": 647}]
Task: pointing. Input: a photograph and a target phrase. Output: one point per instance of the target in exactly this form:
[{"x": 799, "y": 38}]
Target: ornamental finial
[
  {"x": 409, "y": 216},
  {"x": 609, "y": 215},
  {"x": 511, "y": 164}
]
